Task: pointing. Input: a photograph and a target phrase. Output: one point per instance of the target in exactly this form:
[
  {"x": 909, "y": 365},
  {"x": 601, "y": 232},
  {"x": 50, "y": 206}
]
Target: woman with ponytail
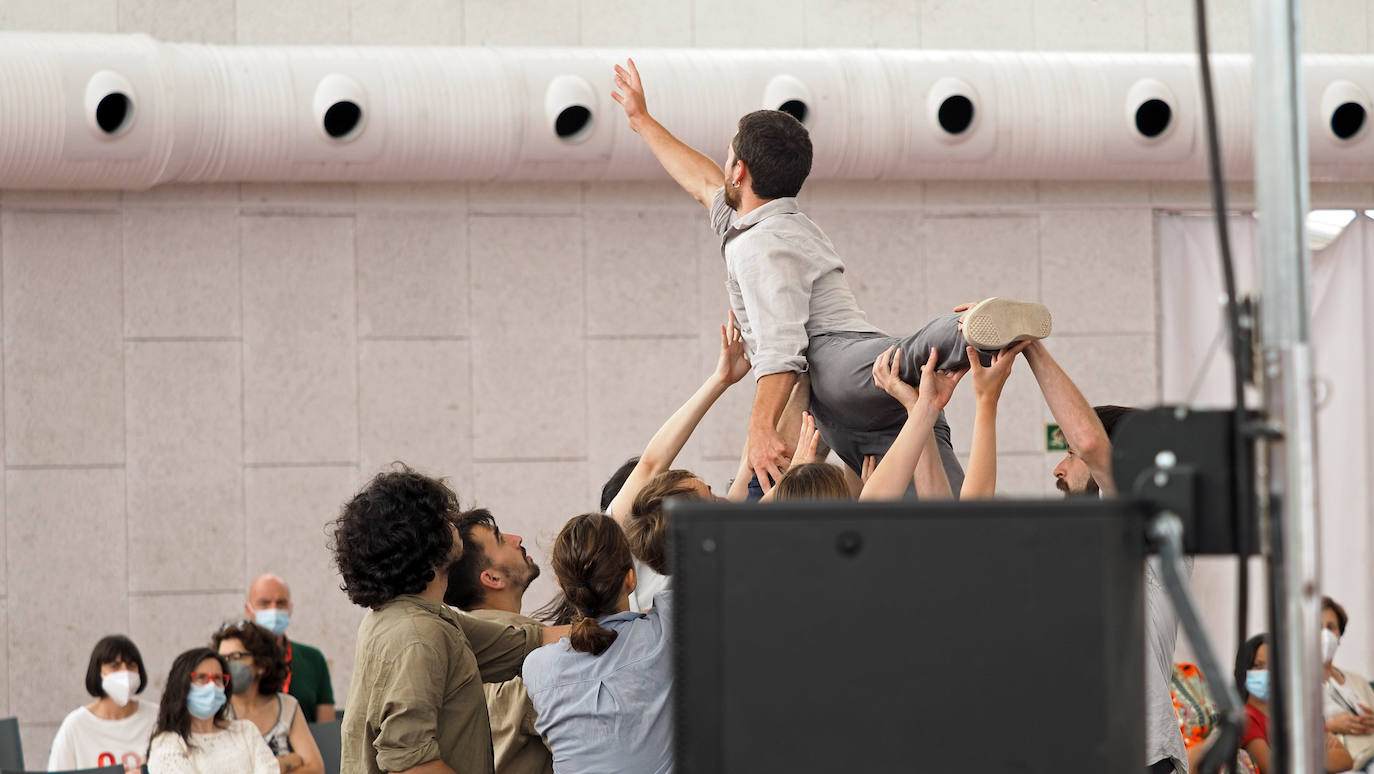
[{"x": 603, "y": 694}]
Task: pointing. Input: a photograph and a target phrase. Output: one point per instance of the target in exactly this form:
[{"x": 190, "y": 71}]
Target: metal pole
[{"x": 1281, "y": 197}]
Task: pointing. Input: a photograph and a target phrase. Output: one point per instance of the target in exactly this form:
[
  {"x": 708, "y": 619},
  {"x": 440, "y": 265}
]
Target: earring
[{"x": 734, "y": 185}]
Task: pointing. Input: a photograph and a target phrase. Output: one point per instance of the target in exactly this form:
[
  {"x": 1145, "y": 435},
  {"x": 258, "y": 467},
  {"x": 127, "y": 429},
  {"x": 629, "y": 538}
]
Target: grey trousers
[{"x": 856, "y": 417}]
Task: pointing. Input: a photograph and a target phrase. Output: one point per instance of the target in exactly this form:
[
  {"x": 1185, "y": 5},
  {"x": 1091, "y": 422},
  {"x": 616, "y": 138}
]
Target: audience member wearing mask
[
  {"x": 1252, "y": 680},
  {"x": 193, "y": 733},
  {"x": 258, "y": 669},
  {"x": 307, "y": 672},
  {"x": 489, "y": 582},
  {"x": 1347, "y": 699},
  {"x": 114, "y": 729},
  {"x": 604, "y": 694}
]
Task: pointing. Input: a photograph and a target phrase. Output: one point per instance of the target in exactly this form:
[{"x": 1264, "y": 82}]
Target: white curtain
[{"x": 1196, "y": 368}]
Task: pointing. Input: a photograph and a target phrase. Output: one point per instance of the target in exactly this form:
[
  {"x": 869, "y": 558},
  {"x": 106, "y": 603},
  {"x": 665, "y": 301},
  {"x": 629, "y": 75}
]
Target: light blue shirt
[{"x": 609, "y": 714}]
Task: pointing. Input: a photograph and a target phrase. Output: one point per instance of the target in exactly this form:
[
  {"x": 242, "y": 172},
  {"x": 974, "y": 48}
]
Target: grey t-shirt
[
  {"x": 1162, "y": 736},
  {"x": 785, "y": 281}
]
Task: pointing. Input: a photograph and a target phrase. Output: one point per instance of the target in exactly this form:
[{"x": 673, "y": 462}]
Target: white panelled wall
[{"x": 194, "y": 379}]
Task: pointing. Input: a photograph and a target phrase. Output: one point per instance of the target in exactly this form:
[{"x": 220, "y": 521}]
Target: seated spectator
[
  {"x": 489, "y": 582},
  {"x": 258, "y": 669},
  {"x": 307, "y": 672},
  {"x": 114, "y": 729},
  {"x": 604, "y": 693},
  {"x": 1347, "y": 699},
  {"x": 1252, "y": 680},
  {"x": 1197, "y": 717},
  {"x": 193, "y": 733}
]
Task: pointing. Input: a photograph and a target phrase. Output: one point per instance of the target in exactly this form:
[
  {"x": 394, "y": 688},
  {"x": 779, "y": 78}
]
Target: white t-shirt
[
  {"x": 647, "y": 585},
  {"x": 85, "y": 741},
  {"x": 238, "y": 749}
]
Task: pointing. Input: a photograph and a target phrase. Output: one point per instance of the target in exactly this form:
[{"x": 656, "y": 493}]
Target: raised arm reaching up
[
  {"x": 889, "y": 480},
  {"x": 692, "y": 169},
  {"x": 1083, "y": 431},
  {"x": 663, "y": 448},
  {"x": 980, "y": 480}
]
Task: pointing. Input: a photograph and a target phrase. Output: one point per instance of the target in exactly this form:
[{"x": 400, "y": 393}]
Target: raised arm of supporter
[
  {"x": 980, "y": 480},
  {"x": 806, "y": 451},
  {"x": 931, "y": 480},
  {"x": 665, "y": 445},
  {"x": 1083, "y": 431},
  {"x": 692, "y": 169},
  {"x": 889, "y": 479}
]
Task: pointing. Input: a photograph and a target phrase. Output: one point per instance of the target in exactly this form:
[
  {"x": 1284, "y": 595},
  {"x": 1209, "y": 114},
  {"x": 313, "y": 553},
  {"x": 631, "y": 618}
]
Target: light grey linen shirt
[
  {"x": 613, "y": 712},
  {"x": 785, "y": 281}
]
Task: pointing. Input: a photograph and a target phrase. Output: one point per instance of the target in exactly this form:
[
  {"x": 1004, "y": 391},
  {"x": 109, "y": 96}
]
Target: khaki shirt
[
  {"x": 519, "y": 748},
  {"x": 416, "y": 692}
]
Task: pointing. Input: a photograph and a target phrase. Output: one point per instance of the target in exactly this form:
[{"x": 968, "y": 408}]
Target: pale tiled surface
[
  {"x": 638, "y": 25},
  {"x": 1090, "y": 25},
  {"x": 986, "y": 24},
  {"x": 208, "y": 21},
  {"x": 759, "y": 24},
  {"x": 867, "y": 24},
  {"x": 269, "y": 22},
  {"x": 63, "y": 366},
  {"x": 181, "y": 272},
  {"x": 185, "y": 471},
  {"x": 1112, "y": 250},
  {"x": 415, "y": 402},
  {"x": 526, "y": 23},
  {"x": 58, "y": 15},
  {"x": 406, "y": 22},
  {"x": 299, "y": 340},
  {"x": 634, "y": 257},
  {"x": 412, "y": 274}
]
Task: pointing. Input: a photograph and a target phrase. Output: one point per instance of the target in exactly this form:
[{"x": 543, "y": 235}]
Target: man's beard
[
  {"x": 530, "y": 567},
  {"x": 732, "y": 196},
  {"x": 1089, "y": 490}
]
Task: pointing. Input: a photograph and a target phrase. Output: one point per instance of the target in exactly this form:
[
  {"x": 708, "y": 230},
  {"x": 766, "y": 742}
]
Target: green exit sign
[{"x": 1054, "y": 439}]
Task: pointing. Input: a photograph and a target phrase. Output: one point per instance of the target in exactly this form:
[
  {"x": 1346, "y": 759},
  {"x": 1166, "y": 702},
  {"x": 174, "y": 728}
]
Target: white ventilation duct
[{"x": 125, "y": 111}]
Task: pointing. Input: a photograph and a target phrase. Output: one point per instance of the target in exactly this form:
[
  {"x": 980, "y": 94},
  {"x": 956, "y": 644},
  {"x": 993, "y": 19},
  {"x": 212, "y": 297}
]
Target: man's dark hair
[
  {"x": 777, "y": 150},
  {"x": 616, "y": 482},
  {"x": 172, "y": 714},
  {"x": 1111, "y": 416},
  {"x": 116, "y": 648},
  {"x": 392, "y": 535},
  {"x": 1335, "y": 607},
  {"x": 465, "y": 576},
  {"x": 1245, "y": 659},
  {"x": 262, "y": 646}
]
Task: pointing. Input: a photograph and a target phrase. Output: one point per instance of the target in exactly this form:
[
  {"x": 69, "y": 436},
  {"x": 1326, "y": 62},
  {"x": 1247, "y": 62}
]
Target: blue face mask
[
  {"x": 273, "y": 619},
  {"x": 1257, "y": 683},
  {"x": 205, "y": 700}
]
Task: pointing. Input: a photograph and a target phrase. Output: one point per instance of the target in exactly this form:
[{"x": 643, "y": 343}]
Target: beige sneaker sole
[{"x": 998, "y": 323}]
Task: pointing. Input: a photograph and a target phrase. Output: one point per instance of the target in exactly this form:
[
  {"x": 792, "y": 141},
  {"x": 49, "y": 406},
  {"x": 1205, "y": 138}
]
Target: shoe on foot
[{"x": 997, "y": 323}]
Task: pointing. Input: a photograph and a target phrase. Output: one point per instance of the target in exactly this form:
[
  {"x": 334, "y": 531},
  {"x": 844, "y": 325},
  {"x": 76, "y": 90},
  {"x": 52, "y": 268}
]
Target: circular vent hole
[
  {"x": 956, "y": 114},
  {"x": 572, "y": 121},
  {"x": 113, "y": 112},
  {"x": 1152, "y": 117},
  {"x": 342, "y": 119},
  {"x": 795, "y": 108},
  {"x": 1347, "y": 120}
]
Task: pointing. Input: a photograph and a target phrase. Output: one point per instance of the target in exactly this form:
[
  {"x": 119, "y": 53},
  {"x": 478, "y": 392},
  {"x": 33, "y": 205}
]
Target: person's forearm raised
[{"x": 692, "y": 169}]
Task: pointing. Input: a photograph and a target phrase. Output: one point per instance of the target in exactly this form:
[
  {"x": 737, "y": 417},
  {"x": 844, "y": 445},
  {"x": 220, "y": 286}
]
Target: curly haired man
[{"x": 415, "y": 702}]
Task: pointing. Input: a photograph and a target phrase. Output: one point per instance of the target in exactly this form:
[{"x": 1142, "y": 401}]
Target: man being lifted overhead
[{"x": 792, "y": 301}]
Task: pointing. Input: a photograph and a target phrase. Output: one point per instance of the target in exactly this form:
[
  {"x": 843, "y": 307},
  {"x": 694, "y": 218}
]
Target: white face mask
[
  {"x": 1329, "y": 642},
  {"x": 119, "y": 686}
]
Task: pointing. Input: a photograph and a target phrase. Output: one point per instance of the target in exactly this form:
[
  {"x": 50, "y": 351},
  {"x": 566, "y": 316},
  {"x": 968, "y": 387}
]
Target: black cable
[{"x": 1239, "y": 345}]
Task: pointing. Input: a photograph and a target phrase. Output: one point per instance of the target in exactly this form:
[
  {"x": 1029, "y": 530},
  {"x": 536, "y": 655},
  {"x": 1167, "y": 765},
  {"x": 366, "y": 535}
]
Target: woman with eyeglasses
[
  {"x": 258, "y": 668},
  {"x": 193, "y": 733},
  {"x": 114, "y": 729}
]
